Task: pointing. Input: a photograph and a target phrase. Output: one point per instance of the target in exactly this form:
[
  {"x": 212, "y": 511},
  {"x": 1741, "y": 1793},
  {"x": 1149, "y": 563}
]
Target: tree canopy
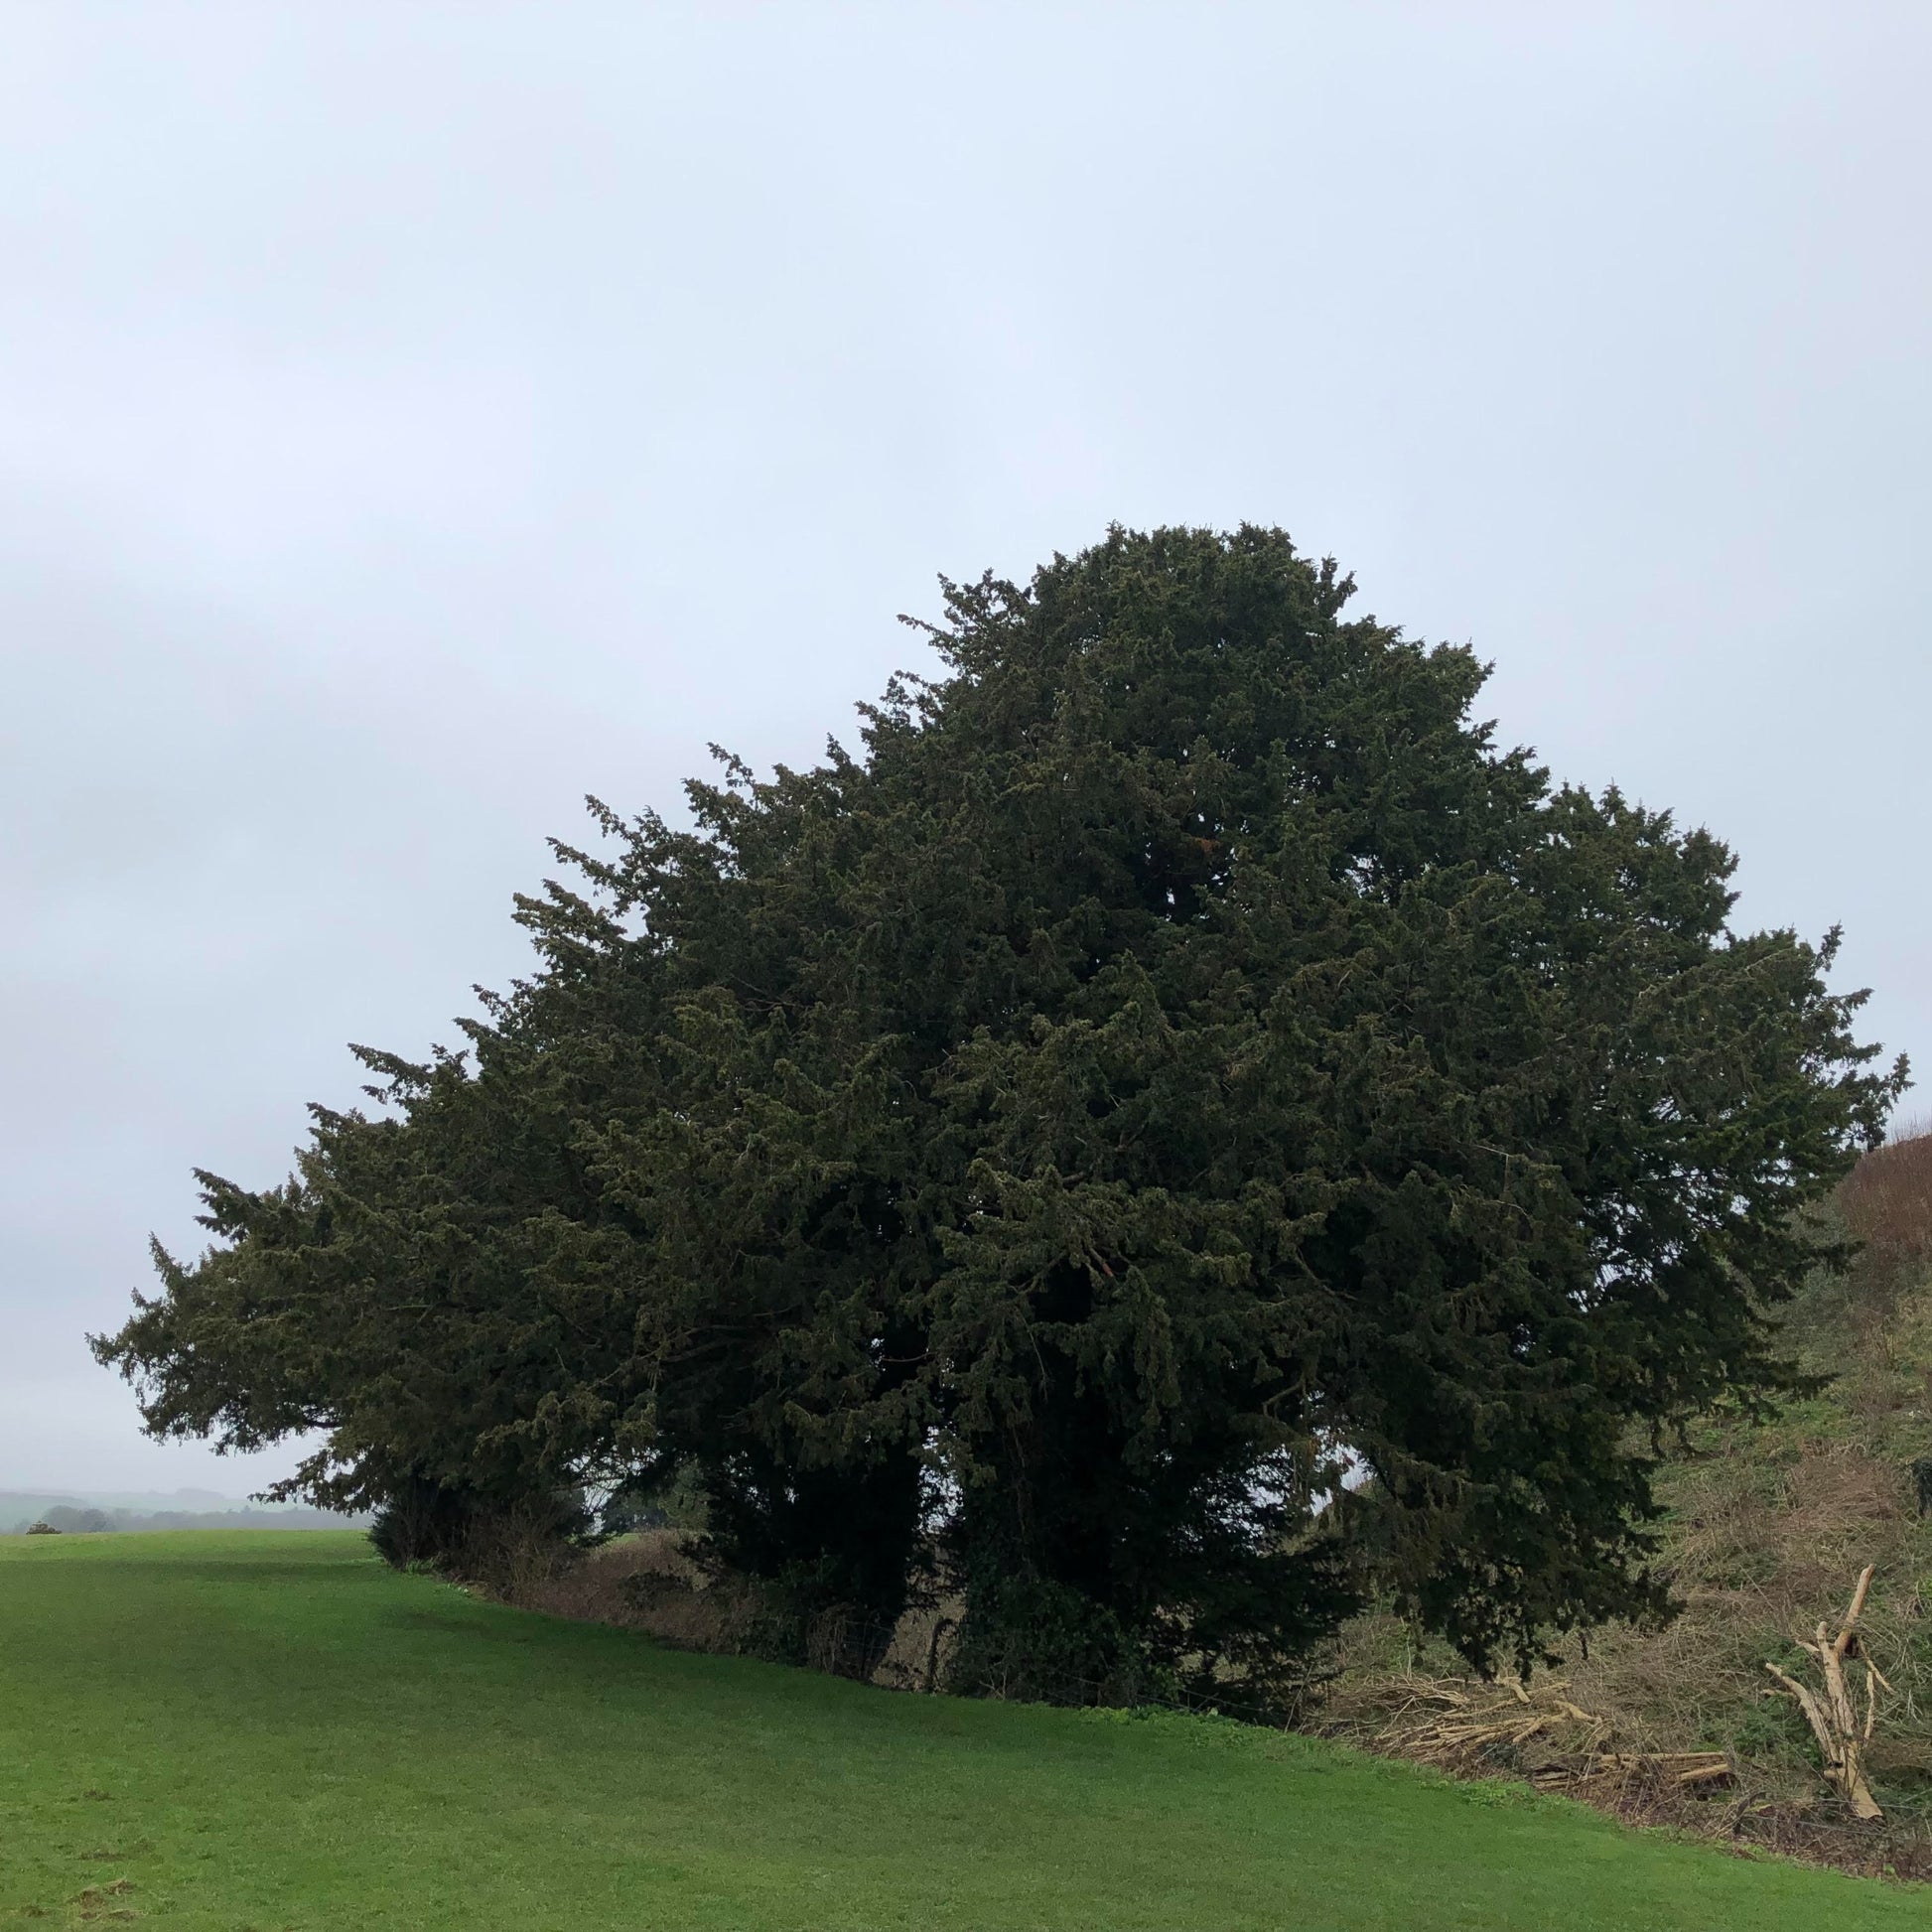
[{"x": 1178, "y": 1132}]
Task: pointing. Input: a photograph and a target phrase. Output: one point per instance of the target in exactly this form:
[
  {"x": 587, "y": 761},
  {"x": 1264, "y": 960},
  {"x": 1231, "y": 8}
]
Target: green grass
[{"x": 262, "y": 1729}]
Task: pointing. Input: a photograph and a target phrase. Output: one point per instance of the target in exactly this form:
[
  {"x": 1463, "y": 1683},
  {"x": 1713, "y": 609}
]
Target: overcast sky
[{"x": 413, "y": 418}]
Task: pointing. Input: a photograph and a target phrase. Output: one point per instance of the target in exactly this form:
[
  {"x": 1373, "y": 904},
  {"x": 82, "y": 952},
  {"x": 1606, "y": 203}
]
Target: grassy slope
[{"x": 271, "y": 1729}]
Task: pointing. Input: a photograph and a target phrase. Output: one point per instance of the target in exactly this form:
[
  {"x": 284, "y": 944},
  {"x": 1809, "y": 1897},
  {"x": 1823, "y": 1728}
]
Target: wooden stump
[{"x": 1832, "y": 1719}]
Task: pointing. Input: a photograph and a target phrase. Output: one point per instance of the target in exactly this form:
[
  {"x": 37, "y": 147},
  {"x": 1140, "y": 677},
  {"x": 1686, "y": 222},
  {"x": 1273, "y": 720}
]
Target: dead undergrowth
[{"x": 648, "y": 1582}]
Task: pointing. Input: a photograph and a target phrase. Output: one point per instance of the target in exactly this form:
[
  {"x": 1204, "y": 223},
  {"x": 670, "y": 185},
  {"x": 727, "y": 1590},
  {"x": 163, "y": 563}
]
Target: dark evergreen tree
[{"x": 1181, "y": 1130}]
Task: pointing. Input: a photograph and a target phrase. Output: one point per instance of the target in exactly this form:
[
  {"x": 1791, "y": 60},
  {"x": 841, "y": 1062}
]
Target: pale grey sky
[{"x": 414, "y": 417}]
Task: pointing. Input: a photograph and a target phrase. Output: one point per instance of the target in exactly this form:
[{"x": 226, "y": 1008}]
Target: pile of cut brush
[
  {"x": 1540, "y": 1732},
  {"x": 1472, "y": 1728}
]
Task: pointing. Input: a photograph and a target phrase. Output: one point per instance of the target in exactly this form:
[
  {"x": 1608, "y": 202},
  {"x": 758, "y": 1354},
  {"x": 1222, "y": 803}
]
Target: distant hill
[{"x": 86, "y": 1512}]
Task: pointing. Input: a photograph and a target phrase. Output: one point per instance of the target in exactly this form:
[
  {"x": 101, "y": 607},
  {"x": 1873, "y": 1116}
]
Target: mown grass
[{"x": 270, "y": 1730}]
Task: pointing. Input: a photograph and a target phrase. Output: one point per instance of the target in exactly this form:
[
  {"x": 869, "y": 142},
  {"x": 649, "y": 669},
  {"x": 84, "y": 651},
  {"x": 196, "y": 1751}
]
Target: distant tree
[
  {"x": 1181, "y": 1131},
  {"x": 85, "y": 1522}
]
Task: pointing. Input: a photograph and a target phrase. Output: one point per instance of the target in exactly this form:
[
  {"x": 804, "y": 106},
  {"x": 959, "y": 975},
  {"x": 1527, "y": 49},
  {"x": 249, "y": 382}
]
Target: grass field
[{"x": 268, "y": 1731}]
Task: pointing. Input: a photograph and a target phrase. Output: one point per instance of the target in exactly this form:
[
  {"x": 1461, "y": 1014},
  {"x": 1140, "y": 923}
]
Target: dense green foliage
[
  {"x": 260, "y": 1730},
  {"x": 1767, "y": 1522},
  {"x": 1179, "y": 1062}
]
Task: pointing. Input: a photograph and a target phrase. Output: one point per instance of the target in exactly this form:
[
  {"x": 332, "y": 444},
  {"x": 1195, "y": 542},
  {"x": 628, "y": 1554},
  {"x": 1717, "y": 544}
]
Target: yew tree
[{"x": 1175, "y": 1133}]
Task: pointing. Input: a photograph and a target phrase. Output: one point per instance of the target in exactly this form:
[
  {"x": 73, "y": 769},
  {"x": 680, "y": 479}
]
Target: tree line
[
  {"x": 1178, "y": 1133},
  {"x": 87, "y": 1519}
]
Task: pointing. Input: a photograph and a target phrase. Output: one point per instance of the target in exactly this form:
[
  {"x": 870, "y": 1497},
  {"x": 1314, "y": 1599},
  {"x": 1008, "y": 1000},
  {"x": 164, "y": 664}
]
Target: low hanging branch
[{"x": 1832, "y": 1717}]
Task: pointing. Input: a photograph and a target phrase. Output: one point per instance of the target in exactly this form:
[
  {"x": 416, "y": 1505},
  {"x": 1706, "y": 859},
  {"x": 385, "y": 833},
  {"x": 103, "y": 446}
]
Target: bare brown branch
[{"x": 1833, "y": 1717}]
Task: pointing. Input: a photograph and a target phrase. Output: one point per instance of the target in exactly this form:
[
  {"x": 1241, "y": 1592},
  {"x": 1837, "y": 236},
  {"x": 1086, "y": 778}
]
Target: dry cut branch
[
  {"x": 1461, "y": 1726},
  {"x": 1832, "y": 1714}
]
